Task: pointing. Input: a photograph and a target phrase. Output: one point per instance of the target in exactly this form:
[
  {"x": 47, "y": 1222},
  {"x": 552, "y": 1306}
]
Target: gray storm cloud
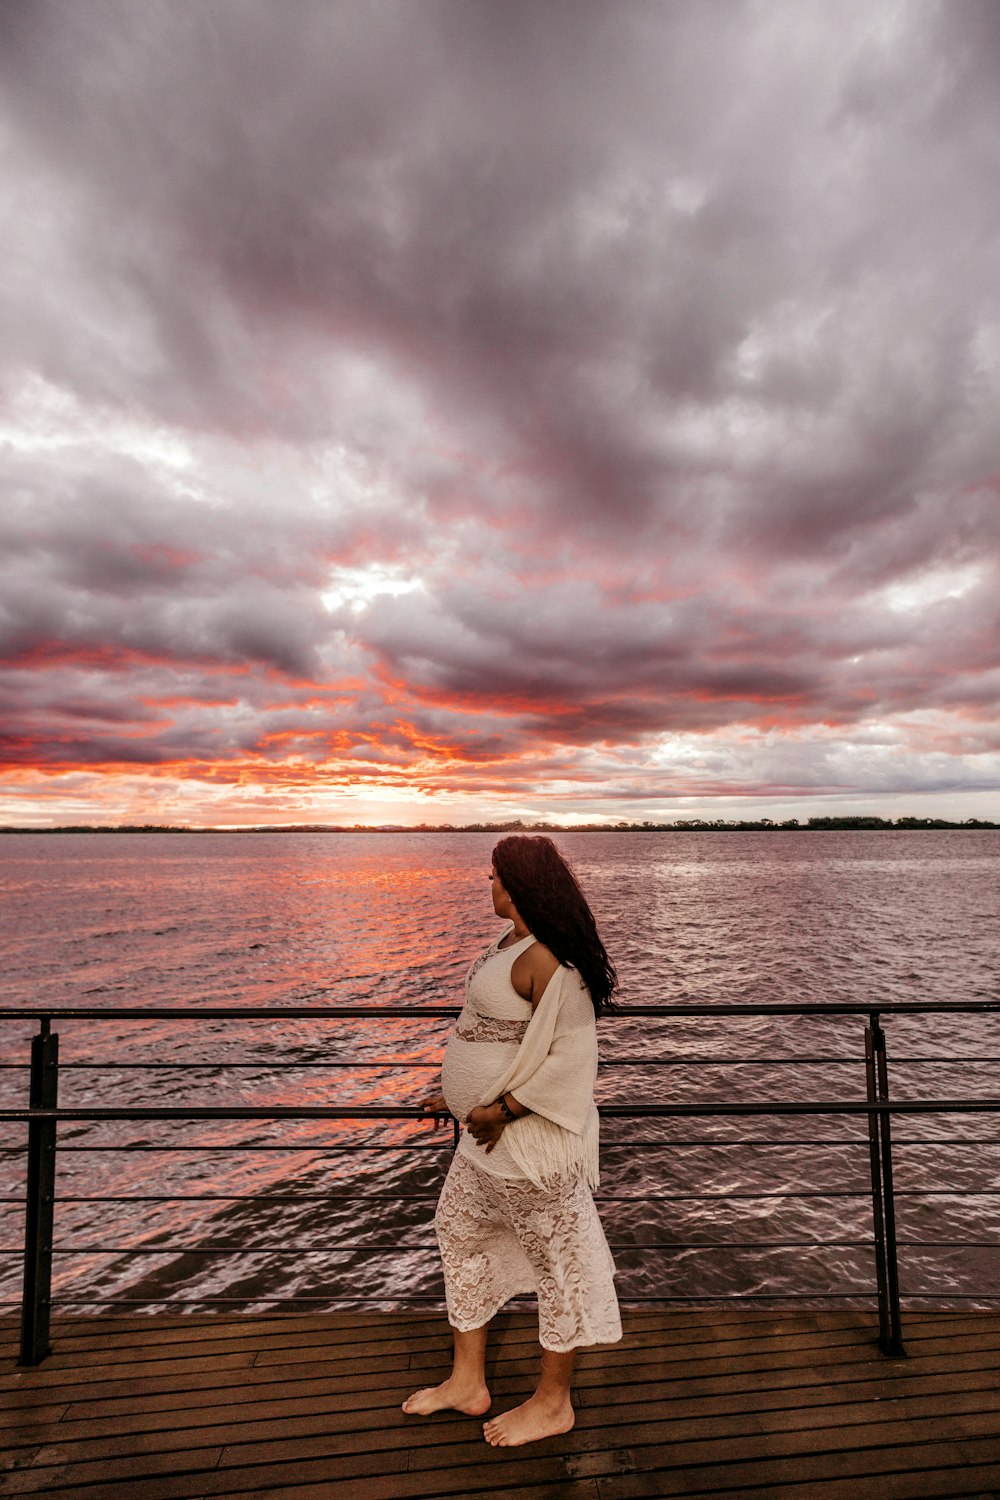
[{"x": 646, "y": 356}]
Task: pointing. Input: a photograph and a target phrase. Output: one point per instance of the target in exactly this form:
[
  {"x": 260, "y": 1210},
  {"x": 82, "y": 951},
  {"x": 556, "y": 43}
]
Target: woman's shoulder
[
  {"x": 532, "y": 971},
  {"x": 541, "y": 954}
]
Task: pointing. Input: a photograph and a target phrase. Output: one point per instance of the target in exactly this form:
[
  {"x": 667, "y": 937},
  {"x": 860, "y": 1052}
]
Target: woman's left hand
[{"x": 486, "y": 1124}]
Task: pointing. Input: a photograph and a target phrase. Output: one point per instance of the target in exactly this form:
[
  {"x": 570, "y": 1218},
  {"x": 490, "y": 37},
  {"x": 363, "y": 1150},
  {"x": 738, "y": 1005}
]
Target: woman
[{"x": 516, "y": 1213}]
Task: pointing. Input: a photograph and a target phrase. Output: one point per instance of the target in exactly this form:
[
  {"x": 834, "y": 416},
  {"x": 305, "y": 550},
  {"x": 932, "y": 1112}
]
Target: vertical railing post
[
  {"x": 883, "y": 1199},
  {"x": 875, "y": 1163},
  {"x": 36, "y": 1298},
  {"x": 889, "y": 1202}
]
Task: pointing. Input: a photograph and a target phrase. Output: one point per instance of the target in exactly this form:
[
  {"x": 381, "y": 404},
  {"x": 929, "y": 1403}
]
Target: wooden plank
[
  {"x": 32, "y": 1481},
  {"x": 746, "y": 1434},
  {"x": 77, "y": 1335},
  {"x": 513, "y": 1471},
  {"x": 332, "y": 1476},
  {"x": 786, "y": 1375},
  {"x": 390, "y": 1383},
  {"x": 50, "y": 1377},
  {"x": 429, "y": 1454},
  {"x": 795, "y": 1379},
  {"x": 714, "y": 1319},
  {"x": 743, "y": 1454},
  {"x": 592, "y": 1367},
  {"x": 14, "y": 1417},
  {"x": 281, "y": 1424},
  {"x": 275, "y": 1347},
  {"x": 326, "y": 1333},
  {"x": 862, "y": 1475},
  {"x": 15, "y": 1458},
  {"x": 187, "y": 1388},
  {"x": 104, "y": 1380},
  {"x": 95, "y": 1333},
  {"x": 592, "y": 1386},
  {"x": 671, "y": 1437},
  {"x": 92, "y": 1363},
  {"x": 171, "y": 1409}
]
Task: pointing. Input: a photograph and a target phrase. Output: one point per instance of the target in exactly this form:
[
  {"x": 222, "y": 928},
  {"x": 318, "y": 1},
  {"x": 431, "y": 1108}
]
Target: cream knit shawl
[{"x": 553, "y": 1073}]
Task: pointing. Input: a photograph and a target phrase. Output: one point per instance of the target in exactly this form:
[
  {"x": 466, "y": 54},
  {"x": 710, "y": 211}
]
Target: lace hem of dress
[{"x": 499, "y": 1238}]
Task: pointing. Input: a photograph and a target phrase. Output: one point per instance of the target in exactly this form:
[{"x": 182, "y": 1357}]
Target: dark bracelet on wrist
[{"x": 505, "y": 1108}]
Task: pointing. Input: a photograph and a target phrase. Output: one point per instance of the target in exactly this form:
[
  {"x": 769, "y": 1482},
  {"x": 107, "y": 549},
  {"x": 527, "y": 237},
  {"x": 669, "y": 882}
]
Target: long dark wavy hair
[{"x": 548, "y": 897}]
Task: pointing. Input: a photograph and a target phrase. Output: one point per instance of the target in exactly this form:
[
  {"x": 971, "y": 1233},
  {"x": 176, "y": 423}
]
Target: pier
[
  {"x": 893, "y": 1394},
  {"x": 710, "y": 1403}
]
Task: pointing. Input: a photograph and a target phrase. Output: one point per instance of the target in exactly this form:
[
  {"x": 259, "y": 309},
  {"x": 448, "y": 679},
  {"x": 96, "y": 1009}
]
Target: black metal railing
[{"x": 43, "y": 1116}]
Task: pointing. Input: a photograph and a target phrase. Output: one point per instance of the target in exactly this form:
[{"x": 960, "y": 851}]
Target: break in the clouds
[{"x": 440, "y": 410}]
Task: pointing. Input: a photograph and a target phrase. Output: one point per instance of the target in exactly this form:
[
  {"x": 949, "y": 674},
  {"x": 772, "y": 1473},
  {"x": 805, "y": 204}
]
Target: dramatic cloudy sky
[{"x": 423, "y": 410}]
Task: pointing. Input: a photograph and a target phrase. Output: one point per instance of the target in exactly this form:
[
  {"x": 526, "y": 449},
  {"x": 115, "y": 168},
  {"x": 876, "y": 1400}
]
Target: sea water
[{"x": 342, "y": 1210}]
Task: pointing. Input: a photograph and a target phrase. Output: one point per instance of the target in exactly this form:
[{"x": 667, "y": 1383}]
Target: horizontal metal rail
[
  {"x": 8, "y": 1200},
  {"x": 447, "y": 1012},
  {"x": 326, "y": 1148},
  {"x": 302, "y": 1252},
  {"x": 413, "y": 1112},
  {"x": 297, "y": 1066},
  {"x": 292, "y": 1299}
]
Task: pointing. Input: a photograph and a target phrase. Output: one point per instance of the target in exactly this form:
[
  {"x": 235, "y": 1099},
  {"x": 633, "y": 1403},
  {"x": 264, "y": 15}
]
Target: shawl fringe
[{"x": 546, "y": 1152}]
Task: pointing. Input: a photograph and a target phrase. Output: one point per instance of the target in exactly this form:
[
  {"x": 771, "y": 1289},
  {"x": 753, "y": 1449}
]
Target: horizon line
[{"x": 816, "y": 823}]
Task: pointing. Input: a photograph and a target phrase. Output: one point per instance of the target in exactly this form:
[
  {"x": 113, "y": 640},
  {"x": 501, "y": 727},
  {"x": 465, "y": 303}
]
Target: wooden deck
[{"x": 711, "y": 1403}]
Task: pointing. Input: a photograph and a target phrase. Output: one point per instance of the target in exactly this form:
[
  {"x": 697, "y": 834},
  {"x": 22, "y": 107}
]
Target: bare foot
[
  {"x": 529, "y": 1422},
  {"x": 474, "y": 1400}
]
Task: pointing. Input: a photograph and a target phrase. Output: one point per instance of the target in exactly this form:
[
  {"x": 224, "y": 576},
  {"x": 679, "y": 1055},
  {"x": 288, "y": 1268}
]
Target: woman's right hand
[{"x": 435, "y": 1104}]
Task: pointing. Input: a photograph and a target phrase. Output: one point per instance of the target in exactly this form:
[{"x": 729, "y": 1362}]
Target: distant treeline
[{"x": 680, "y": 825}]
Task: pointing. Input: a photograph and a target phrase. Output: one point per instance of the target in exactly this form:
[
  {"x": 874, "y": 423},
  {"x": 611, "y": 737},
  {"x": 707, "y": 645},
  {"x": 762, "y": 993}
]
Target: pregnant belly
[{"x": 469, "y": 1068}]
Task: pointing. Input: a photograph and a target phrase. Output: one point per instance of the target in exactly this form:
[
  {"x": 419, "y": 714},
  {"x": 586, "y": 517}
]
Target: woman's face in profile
[{"x": 501, "y": 900}]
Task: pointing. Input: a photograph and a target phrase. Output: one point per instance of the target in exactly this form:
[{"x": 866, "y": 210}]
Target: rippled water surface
[{"x": 277, "y": 919}]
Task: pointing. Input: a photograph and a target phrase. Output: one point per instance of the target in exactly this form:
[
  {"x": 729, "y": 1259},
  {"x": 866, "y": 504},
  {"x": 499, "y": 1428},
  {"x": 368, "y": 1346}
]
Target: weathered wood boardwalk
[{"x": 710, "y": 1403}]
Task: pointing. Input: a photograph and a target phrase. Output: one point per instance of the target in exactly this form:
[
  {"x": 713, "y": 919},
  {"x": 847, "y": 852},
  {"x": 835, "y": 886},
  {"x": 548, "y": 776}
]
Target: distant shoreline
[{"x": 686, "y": 825}]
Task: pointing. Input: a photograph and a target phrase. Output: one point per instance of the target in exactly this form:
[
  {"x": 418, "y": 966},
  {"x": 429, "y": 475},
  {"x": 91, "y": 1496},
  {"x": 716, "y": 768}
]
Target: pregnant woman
[{"x": 516, "y": 1213}]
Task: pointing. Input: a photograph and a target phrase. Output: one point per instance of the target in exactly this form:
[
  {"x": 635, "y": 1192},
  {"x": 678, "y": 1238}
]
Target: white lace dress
[{"x": 500, "y": 1234}]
